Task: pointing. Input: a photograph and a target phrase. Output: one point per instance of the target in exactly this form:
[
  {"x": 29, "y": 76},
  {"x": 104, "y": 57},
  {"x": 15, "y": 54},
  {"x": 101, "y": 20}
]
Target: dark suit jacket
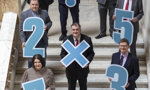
[
  {"x": 63, "y": 1},
  {"x": 137, "y": 7},
  {"x": 132, "y": 66},
  {"x": 89, "y": 54},
  {"x": 43, "y": 15}
]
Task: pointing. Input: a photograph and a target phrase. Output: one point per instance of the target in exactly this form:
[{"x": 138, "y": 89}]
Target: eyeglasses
[{"x": 123, "y": 45}]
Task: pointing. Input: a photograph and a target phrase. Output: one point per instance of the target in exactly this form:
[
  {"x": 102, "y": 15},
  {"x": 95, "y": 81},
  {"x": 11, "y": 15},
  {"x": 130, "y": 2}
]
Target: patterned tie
[
  {"x": 121, "y": 60},
  {"x": 77, "y": 42},
  {"x": 127, "y": 5}
]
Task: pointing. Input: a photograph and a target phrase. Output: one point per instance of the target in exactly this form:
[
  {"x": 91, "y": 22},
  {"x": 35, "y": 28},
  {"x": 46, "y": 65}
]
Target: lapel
[
  {"x": 133, "y": 4},
  {"x": 118, "y": 58},
  {"x": 128, "y": 61},
  {"x": 71, "y": 40}
]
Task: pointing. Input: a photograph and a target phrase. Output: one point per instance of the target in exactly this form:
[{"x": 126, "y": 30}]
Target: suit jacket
[
  {"x": 131, "y": 65},
  {"x": 43, "y": 15},
  {"x": 137, "y": 7},
  {"x": 63, "y": 1},
  {"x": 89, "y": 54}
]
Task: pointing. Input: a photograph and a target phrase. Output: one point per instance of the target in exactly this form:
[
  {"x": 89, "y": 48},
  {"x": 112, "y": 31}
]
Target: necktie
[
  {"x": 127, "y": 5},
  {"x": 76, "y": 42},
  {"x": 121, "y": 60}
]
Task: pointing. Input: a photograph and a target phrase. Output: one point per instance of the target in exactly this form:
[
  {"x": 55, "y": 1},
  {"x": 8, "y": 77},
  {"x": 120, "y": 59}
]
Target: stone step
[
  {"x": 100, "y": 53},
  {"x": 94, "y": 81},
  {"x": 17, "y": 87},
  {"x": 95, "y": 66}
]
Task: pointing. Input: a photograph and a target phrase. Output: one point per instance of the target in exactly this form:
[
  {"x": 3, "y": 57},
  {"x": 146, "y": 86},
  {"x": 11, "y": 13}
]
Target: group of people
[{"x": 74, "y": 71}]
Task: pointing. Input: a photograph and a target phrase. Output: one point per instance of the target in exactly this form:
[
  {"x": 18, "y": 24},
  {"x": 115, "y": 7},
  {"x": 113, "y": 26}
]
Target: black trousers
[
  {"x": 73, "y": 77},
  {"x": 63, "y": 10},
  {"x": 103, "y": 9}
]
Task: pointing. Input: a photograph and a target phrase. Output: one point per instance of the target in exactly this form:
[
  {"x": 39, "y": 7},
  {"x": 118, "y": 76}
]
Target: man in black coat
[
  {"x": 74, "y": 71},
  {"x": 129, "y": 61}
]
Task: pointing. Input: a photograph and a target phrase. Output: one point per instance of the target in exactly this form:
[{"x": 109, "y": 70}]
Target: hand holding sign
[
  {"x": 75, "y": 53},
  {"x": 118, "y": 75}
]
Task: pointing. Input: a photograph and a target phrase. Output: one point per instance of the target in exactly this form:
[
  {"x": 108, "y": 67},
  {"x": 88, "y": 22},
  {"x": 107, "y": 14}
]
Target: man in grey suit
[
  {"x": 137, "y": 7},
  {"x": 103, "y": 7},
  {"x": 34, "y": 11}
]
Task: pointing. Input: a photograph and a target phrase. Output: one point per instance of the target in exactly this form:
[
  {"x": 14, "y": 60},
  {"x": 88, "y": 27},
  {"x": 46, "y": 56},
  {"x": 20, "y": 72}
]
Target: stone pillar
[
  {"x": 0, "y": 10},
  {"x": 9, "y": 6}
]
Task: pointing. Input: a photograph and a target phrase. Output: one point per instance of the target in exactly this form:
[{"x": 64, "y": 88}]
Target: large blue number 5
[
  {"x": 125, "y": 26},
  {"x": 38, "y": 25}
]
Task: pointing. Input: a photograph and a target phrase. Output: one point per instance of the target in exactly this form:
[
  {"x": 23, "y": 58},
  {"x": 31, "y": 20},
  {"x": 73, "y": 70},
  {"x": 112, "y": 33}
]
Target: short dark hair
[
  {"x": 76, "y": 24},
  {"x": 32, "y": 0},
  {"x": 38, "y": 56},
  {"x": 124, "y": 40}
]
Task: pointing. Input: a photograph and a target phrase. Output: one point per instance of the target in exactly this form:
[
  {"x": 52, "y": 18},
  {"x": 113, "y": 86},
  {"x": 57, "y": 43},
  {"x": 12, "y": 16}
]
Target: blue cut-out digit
[
  {"x": 38, "y": 25},
  {"x": 125, "y": 26},
  {"x": 37, "y": 84},
  {"x": 119, "y": 76},
  {"x": 75, "y": 53},
  {"x": 70, "y": 3}
]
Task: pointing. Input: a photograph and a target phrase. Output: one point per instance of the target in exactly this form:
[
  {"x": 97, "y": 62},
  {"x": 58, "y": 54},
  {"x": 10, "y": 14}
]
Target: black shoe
[
  {"x": 62, "y": 37},
  {"x": 100, "y": 36}
]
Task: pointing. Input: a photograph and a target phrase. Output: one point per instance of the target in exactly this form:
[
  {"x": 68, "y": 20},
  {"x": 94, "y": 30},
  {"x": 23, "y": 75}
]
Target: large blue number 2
[
  {"x": 119, "y": 76},
  {"x": 125, "y": 26},
  {"x": 38, "y": 25}
]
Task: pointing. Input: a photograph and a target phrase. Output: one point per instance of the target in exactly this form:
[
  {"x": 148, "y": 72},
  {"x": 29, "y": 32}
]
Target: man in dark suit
[
  {"x": 137, "y": 7},
  {"x": 129, "y": 61},
  {"x": 63, "y": 10},
  {"x": 34, "y": 11},
  {"x": 43, "y": 4},
  {"x": 74, "y": 71},
  {"x": 103, "y": 7}
]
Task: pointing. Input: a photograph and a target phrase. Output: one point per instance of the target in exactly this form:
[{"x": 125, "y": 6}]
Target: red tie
[
  {"x": 127, "y": 5},
  {"x": 77, "y": 42}
]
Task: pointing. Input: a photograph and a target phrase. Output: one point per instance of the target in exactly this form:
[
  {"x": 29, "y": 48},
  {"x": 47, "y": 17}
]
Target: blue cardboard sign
[
  {"x": 37, "y": 84},
  {"x": 37, "y": 24},
  {"x": 75, "y": 53},
  {"x": 124, "y": 24},
  {"x": 70, "y": 3},
  {"x": 118, "y": 75}
]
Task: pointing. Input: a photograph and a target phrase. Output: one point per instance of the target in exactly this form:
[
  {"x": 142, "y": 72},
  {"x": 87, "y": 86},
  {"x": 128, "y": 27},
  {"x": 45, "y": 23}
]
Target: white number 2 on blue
[{"x": 38, "y": 25}]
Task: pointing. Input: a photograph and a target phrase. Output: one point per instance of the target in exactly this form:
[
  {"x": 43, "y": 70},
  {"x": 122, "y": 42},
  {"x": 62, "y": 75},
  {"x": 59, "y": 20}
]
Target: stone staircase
[{"x": 89, "y": 20}]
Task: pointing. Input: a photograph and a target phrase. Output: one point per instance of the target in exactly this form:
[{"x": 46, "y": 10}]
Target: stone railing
[
  {"x": 145, "y": 33},
  {"x": 9, "y": 52}
]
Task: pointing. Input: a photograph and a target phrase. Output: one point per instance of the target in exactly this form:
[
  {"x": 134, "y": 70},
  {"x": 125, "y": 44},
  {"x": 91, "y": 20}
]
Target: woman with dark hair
[{"x": 39, "y": 70}]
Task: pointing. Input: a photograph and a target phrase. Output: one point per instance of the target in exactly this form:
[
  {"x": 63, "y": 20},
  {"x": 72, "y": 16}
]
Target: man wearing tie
[
  {"x": 128, "y": 61},
  {"x": 137, "y": 7},
  {"x": 74, "y": 71}
]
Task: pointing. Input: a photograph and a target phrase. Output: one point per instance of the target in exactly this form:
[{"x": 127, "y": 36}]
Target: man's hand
[
  {"x": 86, "y": 66},
  {"x": 23, "y": 44},
  {"x": 134, "y": 19},
  {"x": 45, "y": 28},
  {"x": 114, "y": 17},
  {"x": 127, "y": 85}
]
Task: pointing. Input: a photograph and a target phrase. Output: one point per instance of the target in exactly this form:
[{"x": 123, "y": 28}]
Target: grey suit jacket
[
  {"x": 43, "y": 15},
  {"x": 137, "y": 7}
]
